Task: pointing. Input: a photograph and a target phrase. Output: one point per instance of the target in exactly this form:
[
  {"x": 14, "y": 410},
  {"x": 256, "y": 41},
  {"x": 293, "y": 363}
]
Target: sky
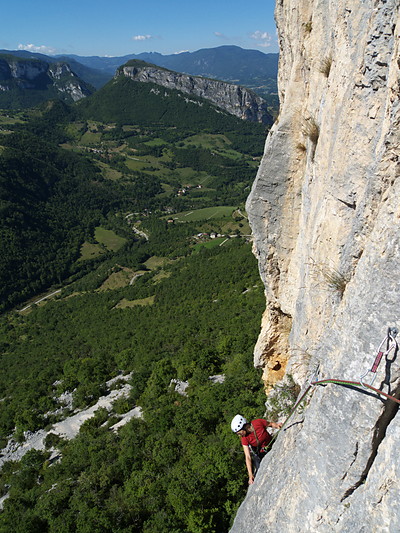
[{"x": 121, "y": 27}]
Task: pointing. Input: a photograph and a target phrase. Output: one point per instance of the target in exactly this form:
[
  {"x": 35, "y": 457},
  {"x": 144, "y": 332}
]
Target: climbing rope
[
  {"x": 267, "y": 448},
  {"x": 391, "y": 345},
  {"x": 356, "y": 384}
]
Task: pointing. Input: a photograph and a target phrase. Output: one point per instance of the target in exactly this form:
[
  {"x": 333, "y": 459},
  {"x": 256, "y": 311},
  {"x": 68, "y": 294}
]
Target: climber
[{"x": 255, "y": 439}]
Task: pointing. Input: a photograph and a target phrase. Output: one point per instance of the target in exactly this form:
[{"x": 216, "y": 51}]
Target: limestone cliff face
[
  {"x": 234, "y": 99},
  {"x": 325, "y": 214},
  {"x": 25, "y": 74},
  {"x": 67, "y": 82}
]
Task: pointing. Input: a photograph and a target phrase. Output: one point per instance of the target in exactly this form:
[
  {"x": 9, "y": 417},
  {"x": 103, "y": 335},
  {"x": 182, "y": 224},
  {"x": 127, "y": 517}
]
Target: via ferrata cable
[{"x": 391, "y": 345}]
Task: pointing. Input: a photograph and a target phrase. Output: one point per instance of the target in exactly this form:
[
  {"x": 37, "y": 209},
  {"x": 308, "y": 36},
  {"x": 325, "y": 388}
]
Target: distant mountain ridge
[
  {"x": 94, "y": 77},
  {"x": 127, "y": 102},
  {"x": 230, "y": 62},
  {"x": 27, "y": 82},
  {"x": 250, "y": 68},
  {"x": 236, "y": 100}
]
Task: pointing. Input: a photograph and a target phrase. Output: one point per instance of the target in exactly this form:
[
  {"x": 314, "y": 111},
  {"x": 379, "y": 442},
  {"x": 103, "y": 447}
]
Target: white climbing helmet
[{"x": 237, "y": 423}]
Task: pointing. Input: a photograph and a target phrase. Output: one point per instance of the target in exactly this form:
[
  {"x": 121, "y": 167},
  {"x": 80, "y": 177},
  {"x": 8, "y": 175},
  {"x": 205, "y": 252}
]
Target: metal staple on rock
[{"x": 391, "y": 345}]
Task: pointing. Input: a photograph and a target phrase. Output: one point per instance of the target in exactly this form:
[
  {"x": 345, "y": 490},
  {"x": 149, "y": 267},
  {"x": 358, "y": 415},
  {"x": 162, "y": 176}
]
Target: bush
[
  {"x": 310, "y": 129},
  {"x": 326, "y": 65},
  {"x": 282, "y": 399},
  {"x": 330, "y": 278},
  {"x": 52, "y": 440}
]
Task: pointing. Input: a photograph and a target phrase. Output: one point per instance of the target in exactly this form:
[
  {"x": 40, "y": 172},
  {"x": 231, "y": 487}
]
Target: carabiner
[{"x": 390, "y": 339}]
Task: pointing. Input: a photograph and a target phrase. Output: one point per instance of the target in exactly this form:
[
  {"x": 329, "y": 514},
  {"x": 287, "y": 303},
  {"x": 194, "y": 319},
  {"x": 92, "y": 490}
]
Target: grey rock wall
[
  {"x": 39, "y": 75},
  {"x": 66, "y": 81},
  {"x": 325, "y": 214},
  {"x": 234, "y": 99}
]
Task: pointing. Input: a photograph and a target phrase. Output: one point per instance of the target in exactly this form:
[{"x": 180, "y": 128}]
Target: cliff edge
[
  {"x": 325, "y": 215},
  {"x": 236, "y": 100},
  {"x": 18, "y": 74}
]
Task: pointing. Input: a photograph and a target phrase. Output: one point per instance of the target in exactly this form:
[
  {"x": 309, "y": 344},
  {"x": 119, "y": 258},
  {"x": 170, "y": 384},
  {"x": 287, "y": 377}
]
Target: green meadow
[
  {"x": 206, "y": 213},
  {"x": 109, "y": 239}
]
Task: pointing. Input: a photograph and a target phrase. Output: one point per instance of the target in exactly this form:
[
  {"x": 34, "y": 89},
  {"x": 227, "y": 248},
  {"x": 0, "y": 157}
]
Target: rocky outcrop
[
  {"x": 34, "y": 74},
  {"x": 25, "y": 73},
  {"x": 66, "y": 81},
  {"x": 325, "y": 215},
  {"x": 234, "y": 99}
]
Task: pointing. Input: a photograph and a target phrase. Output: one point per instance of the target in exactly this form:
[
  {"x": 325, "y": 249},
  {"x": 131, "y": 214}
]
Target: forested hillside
[
  {"x": 132, "y": 240},
  {"x": 177, "y": 469},
  {"x": 25, "y": 82},
  {"x": 62, "y": 173},
  {"x": 125, "y": 101},
  {"x": 50, "y": 199},
  {"x": 249, "y": 68}
]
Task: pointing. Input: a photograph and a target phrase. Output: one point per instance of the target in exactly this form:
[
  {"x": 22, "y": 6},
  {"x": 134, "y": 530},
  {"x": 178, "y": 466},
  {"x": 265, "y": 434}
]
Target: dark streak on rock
[
  {"x": 381, "y": 426},
  {"x": 352, "y": 462}
]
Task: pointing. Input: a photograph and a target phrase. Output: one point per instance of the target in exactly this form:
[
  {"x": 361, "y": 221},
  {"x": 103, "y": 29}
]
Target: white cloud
[
  {"x": 38, "y": 49},
  {"x": 141, "y": 37},
  {"x": 263, "y": 38},
  {"x": 221, "y": 35}
]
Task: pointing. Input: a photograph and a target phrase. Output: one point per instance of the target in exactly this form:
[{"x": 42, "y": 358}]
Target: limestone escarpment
[
  {"x": 325, "y": 214},
  {"x": 23, "y": 72},
  {"x": 26, "y": 74},
  {"x": 234, "y": 99},
  {"x": 67, "y": 82}
]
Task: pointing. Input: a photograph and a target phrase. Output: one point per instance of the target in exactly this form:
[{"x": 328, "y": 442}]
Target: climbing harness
[
  {"x": 255, "y": 459},
  {"x": 257, "y": 453},
  {"x": 391, "y": 345}
]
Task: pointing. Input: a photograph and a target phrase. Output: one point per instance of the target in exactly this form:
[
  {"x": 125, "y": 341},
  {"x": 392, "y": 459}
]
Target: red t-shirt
[{"x": 264, "y": 438}]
